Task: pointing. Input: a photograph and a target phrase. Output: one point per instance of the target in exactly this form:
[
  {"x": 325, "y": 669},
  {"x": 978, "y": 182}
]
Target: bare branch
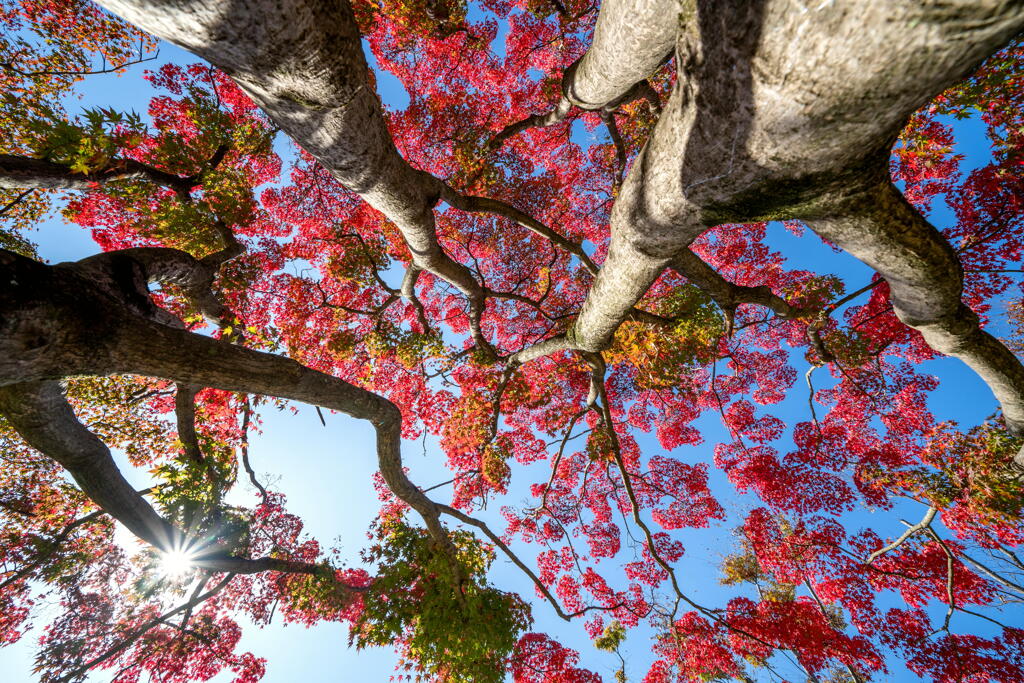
[
  {"x": 925, "y": 523},
  {"x": 185, "y": 413},
  {"x": 496, "y": 540},
  {"x": 555, "y": 115},
  {"x": 104, "y": 70},
  {"x": 137, "y": 344},
  {"x": 408, "y": 289},
  {"x": 246, "y": 418}
]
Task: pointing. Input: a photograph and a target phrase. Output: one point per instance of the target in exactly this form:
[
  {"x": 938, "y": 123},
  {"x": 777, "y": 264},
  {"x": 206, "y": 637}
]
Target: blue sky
[{"x": 326, "y": 471}]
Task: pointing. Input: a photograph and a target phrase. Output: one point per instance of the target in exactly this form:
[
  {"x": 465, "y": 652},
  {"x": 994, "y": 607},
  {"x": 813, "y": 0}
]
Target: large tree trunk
[
  {"x": 631, "y": 38},
  {"x": 65, "y": 320},
  {"x": 303, "y": 63},
  {"x": 782, "y": 111}
]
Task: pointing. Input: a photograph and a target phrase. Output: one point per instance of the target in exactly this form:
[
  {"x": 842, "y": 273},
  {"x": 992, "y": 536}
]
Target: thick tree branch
[
  {"x": 726, "y": 294},
  {"x": 18, "y": 172},
  {"x": 408, "y": 289},
  {"x": 558, "y": 113},
  {"x": 632, "y": 38},
  {"x": 121, "y": 340},
  {"x": 152, "y": 264},
  {"x": 185, "y": 416},
  {"x": 25, "y": 172},
  {"x": 302, "y": 62},
  {"x": 925, "y": 279},
  {"x": 726, "y": 149},
  {"x": 44, "y": 418},
  {"x": 131, "y": 270}
]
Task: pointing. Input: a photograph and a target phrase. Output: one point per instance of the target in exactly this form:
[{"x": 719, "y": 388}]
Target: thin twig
[{"x": 925, "y": 523}]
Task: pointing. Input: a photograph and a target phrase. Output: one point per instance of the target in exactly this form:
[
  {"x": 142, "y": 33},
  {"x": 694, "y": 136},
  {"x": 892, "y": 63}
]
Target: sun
[{"x": 176, "y": 563}]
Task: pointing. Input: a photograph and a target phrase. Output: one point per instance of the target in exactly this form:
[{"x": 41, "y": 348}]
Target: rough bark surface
[
  {"x": 631, "y": 38},
  {"x": 64, "y": 320},
  {"x": 925, "y": 281},
  {"x": 781, "y": 111},
  {"x": 303, "y": 63},
  {"x": 20, "y": 172}
]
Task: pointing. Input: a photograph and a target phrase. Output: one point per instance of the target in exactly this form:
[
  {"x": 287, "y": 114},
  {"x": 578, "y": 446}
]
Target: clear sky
[{"x": 326, "y": 471}]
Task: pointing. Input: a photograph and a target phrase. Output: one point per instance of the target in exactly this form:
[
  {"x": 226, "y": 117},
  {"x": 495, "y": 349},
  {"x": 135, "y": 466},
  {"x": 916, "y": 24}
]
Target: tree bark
[
  {"x": 24, "y": 172},
  {"x": 781, "y": 110},
  {"x": 726, "y": 294},
  {"x": 41, "y": 414},
  {"x": 303, "y": 63},
  {"x": 925, "y": 284},
  {"x": 631, "y": 39},
  {"x": 785, "y": 112},
  {"x": 58, "y": 321}
]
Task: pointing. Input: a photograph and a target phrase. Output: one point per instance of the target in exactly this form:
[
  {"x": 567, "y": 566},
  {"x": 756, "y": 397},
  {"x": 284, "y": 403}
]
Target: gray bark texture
[
  {"x": 631, "y": 38},
  {"x": 786, "y": 111},
  {"x": 87, "y": 318},
  {"x": 782, "y": 110},
  {"x": 41, "y": 414},
  {"x": 302, "y": 62},
  {"x": 18, "y": 172}
]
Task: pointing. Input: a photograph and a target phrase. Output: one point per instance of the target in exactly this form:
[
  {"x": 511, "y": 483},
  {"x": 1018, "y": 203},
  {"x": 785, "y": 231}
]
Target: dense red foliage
[{"x": 611, "y": 522}]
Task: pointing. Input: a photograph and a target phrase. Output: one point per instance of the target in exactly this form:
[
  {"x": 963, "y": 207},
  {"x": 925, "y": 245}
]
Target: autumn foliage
[{"x": 684, "y": 425}]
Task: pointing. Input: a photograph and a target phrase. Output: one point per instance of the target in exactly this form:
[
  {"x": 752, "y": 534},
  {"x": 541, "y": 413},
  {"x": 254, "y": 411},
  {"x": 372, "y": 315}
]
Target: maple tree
[{"x": 554, "y": 248}]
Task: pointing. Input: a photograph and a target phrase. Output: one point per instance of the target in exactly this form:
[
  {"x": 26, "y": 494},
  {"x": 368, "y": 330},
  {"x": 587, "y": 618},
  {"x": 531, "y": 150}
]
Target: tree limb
[
  {"x": 125, "y": 341},
  {"x": 140, "y": 631},
  {"x": 18, "y": 172},
  {"x": 303, "y": 63},
  {"x": 925, "y": 283},
  {"x": 185, "y": 415},
  {"x": 925, "y": 523},
  {"x": 246, "y": 417},
  {"x": 726, "y": 294}
]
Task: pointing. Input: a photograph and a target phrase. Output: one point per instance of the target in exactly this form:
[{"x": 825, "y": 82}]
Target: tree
[{"x": 556, "y": 300}]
